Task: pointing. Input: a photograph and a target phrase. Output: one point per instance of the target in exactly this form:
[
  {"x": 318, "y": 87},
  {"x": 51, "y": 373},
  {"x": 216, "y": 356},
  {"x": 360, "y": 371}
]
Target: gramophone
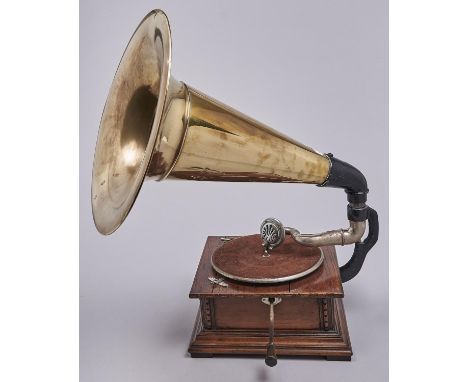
[{"x": 275, "y": 293}]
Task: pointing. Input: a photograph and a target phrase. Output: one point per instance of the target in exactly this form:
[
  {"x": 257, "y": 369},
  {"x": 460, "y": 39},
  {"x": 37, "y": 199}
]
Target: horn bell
[
  {"x": 155, "y": 127},
  {"x": 129, "y": 128}
]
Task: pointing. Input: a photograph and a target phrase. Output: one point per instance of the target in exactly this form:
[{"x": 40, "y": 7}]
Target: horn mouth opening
[{"x": 130, "y": 124}]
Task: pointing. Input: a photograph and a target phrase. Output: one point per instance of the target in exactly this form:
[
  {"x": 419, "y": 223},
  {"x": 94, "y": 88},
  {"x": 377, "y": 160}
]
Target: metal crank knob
[{"x": 271, "y": 359}]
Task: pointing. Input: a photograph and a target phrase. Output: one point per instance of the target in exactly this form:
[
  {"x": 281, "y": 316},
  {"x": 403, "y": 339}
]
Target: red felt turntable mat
[{"x": 243, "y": 259}]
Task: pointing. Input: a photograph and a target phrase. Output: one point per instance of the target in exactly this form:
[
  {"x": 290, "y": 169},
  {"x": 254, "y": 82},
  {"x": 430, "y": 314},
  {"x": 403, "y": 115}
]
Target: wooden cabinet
[{"x": 309, "y": 320}]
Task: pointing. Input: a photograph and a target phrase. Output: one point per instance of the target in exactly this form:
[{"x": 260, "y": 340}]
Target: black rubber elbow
[{"x": 343, "y": 175}]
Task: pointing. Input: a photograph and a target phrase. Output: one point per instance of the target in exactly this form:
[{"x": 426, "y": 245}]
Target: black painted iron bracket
[{"x": 354, "y": 265}]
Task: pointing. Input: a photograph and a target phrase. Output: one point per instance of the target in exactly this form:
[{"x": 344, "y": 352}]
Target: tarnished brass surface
[
  {"x": 129, "y": 128},
  {"x": 154, "y": 127},
  {"x": 223, "y": 144}
]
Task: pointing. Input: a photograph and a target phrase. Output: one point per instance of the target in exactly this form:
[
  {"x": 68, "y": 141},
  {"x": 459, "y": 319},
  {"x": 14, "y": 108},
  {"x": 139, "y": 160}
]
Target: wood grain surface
[{"x": 334, "y": 344}]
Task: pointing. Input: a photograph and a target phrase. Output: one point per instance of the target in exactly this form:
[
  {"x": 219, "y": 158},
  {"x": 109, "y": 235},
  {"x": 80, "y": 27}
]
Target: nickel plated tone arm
[{"x": 351, "y": 235}]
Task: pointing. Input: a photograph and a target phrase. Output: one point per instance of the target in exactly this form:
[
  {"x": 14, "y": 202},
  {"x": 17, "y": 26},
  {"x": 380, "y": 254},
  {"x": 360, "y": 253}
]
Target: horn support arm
[
  {"x": 343, "y": 175},
  {"x": 360, "y": 215}
]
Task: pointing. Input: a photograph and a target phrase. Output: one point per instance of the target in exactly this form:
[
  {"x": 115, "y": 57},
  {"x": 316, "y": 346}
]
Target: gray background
[{"x": 315, "y": 70}]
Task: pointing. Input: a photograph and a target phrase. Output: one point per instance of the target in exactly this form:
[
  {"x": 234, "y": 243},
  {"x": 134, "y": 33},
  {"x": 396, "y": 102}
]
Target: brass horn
[{"x": 156, "y": 127}]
